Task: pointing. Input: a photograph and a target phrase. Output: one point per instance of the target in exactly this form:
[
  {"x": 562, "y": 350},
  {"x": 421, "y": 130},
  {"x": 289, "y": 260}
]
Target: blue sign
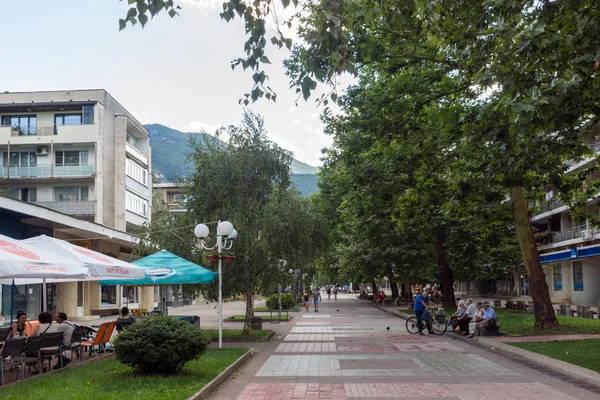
[{"x": 574, "y": 252}]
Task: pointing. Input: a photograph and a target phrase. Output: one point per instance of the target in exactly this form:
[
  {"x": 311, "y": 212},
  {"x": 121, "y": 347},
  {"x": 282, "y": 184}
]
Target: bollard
[{"x": 562, "y": 309}]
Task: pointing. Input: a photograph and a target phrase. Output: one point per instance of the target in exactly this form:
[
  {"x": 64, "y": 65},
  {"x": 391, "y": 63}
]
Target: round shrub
[
  {"x": 160, "y": 345},
  {"x": 287, "y": 301}
]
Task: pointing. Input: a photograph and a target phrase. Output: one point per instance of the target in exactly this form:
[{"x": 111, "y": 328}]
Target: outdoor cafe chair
[
  {"x": 76, "y": 339},
  {"x": 32, "y": 352},
  {"x": 51, "y": 346},
  {"x": 4, "y": 333},
  {"x": 91, "y": 344},
  {"x": 12, "y": 355},
  {"x": 107, "y": 335}
]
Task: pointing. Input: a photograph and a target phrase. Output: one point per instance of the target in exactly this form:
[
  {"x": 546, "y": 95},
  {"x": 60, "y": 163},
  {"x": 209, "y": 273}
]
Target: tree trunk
[
  {"x": 374, "y": 287},
  {"x": 393, "y": 284},
  {"x": 249, "y": 312},
  {"x": 448, "y": 300},
  {"x": 538, "y": 287}
]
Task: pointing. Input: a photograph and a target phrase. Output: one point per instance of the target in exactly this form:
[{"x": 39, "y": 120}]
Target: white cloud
[
  {"x": 143, "y": 117},
  {"x": 197, "y": 126}
]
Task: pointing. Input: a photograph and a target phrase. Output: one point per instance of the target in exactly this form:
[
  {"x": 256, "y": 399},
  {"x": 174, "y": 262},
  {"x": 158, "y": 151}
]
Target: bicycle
[{"x": 439, "y": 323}]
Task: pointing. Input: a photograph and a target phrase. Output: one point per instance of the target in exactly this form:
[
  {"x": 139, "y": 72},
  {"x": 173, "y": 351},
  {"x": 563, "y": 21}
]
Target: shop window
[
  {"x": 578, "y": 276},
  {"x": 108, "y": 295},
  {"x": 557, "y": 272}
]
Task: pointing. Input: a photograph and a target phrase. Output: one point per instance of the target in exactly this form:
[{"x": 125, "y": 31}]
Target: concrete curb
[
  {"x": 252, "y": 339},
  {"x": 219, "y": 379},
  {"x": 265, "y": 319},
  {"x": 558, "y": 365}
]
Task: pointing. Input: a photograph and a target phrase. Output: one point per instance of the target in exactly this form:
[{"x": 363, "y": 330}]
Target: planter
[
  {"x": 213, "y": 259},
  {"x": 228, "y": 259}
]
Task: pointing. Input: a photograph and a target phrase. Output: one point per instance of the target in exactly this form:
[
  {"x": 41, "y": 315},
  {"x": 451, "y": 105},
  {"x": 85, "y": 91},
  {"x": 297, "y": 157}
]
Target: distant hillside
[{"x": 169, "y": 164}]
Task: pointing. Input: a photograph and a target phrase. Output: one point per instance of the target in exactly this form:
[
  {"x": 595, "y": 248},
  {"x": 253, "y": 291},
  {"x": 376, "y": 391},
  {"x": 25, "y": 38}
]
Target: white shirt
[
  {"x": 67, "y": 329},
  {"x": 471, "y": 310}
]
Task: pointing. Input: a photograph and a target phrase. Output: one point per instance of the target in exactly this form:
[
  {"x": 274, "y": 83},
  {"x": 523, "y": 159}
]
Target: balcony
[
  {"x": 551, "y": 205},
  {"x": 177, "y": 208},
  {"x": 71, "y": 207},
  {"x": 47, "y": 171},
  {"x": 41, "y": 134},
  {"x": 568, "y": 234}
]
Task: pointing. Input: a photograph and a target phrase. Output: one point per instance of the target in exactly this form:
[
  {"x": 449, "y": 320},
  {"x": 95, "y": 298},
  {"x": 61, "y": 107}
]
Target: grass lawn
[
  {"x": 266, "y": 309},
  {"x": 263, "y": 317},
  {"x": 109, "y": 379},
  {"x": 584, "y": 353},
  {"x": 520, "y": 323},
  {"x": 234, "y": 333}
]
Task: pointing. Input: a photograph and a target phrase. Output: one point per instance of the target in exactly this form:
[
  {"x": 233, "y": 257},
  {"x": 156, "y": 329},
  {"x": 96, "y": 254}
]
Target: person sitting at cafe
[
  {"x": 124, "y": 319},
  {"x": 67, "y": 328},
  {"x": 21, "y": 327},
  {"x": 485, "y": 327}
]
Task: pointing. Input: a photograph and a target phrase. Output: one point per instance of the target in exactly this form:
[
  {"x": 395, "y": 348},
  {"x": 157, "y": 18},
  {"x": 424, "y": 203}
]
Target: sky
[{"x": 174, "y": 72}]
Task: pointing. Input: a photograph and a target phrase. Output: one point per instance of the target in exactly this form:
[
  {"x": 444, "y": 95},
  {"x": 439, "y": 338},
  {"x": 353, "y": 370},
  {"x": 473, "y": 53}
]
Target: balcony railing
[
  {"x": 37, "y": 130},
  {"x": 568, "y": 234},
  {"x": 46, "y": 171},
  {"x": 176, "y": 207},
  {"x": 552, "y": 205},
  {"x": 71, "y": 207}
]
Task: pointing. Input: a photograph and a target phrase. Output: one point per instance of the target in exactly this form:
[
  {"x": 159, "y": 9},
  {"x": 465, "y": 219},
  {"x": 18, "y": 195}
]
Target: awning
[{"x": 165, "y": 268}]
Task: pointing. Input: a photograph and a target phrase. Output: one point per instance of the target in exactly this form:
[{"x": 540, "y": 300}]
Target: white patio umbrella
[{"x": 23, "y": 260}]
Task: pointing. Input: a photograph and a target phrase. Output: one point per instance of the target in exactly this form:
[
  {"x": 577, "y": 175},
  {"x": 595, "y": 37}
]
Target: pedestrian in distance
[
  {"x": 316, "y": 299},
  {"x": 306, "y": 296}
]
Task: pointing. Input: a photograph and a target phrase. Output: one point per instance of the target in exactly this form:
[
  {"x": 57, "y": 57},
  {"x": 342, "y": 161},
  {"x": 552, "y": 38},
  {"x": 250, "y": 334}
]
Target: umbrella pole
[
  {"x": 44, "y": 296},
  {"x": 12, "y": 301}
]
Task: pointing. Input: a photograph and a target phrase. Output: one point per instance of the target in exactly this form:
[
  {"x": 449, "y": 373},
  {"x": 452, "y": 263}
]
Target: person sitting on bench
[{"x": 485, "y": 327}]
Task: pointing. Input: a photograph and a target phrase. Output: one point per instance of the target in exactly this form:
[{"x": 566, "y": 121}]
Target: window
[
  {"x": 66, "y": 119},
  {"x": 136, "y": 204},
  {"x": 71, "y": 157},
  {"x": 88, "y": 115},
  {"x": 557, "y": 272},
  {"x": 25, "y": 194},
  {"x": 108, "y": 295},
  {"x": 19, "y": 159},
  {"x": 578, "y": 276},
  {"x": 179, "y": 198},
  {"x": 24, "y": 124},
  {"x": 71, "y": 193},
  {"x": 137, "y": 172}
]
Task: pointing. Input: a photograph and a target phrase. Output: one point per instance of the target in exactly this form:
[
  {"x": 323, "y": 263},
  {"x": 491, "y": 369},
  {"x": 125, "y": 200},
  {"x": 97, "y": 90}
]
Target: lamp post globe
[
  {"x": 201, "y": 231},
  {"x": 225, "y": 228}
]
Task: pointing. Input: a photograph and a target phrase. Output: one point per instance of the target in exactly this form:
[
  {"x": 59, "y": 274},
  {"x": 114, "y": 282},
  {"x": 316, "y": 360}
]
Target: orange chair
[
  {"x": 97, "y": 340},
  {"x": 108, "y": 334}
]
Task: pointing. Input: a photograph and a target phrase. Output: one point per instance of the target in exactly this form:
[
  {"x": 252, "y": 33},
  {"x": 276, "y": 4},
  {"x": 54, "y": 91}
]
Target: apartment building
[
  {"x": 570, "y": 249},
  {"x": 171, "y": 196},
  {"x": 81, "y": 154}
]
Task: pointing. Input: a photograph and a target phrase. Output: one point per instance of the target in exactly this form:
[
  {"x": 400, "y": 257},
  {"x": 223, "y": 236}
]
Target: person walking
[
  {"x": 306, "y": 296},
  {"x": 335, "y": 292},
  {"x": 328, "y": 292},
  {"x": 316, "y": 299}
]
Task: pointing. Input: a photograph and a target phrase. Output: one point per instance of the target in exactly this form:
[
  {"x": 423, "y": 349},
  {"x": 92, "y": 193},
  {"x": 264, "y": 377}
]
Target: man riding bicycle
[{"x": 422, "y": 302}]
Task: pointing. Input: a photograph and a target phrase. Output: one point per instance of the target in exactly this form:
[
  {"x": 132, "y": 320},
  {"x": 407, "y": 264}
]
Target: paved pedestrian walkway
[{"x": 350, "y": 350}]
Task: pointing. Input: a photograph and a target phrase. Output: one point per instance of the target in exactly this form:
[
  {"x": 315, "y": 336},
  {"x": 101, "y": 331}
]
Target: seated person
[
  {"x": 487, "y": 323},
  {"x": 125, "y": 319},
  {"x": 21, "y": 327},
  {"x": 380, "y": 297},
  {"x": 460, "y": 310},
  {"x": 465, "y": 319}
]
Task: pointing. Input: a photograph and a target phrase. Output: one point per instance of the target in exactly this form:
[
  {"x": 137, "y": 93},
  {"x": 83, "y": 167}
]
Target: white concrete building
[
  {"x": 78, "y": 152},
  {"x": 81, "y": 154},
  {"x": 570, "y": 249}
]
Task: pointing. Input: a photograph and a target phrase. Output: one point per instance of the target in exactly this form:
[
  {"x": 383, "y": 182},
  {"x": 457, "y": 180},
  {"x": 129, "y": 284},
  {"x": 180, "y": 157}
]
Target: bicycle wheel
[
  {"x": 411, "y": 325},
  {"x": 439, "y": 326}
]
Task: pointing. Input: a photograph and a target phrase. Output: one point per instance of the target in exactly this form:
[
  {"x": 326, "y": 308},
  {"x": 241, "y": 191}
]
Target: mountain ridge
[{"x": 167, "y": 142}]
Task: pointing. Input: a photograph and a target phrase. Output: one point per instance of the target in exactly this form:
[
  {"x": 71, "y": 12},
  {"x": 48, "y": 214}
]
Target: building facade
[
  {"x": 570, "y": 248},
  {"x": 77, "y": 154}
]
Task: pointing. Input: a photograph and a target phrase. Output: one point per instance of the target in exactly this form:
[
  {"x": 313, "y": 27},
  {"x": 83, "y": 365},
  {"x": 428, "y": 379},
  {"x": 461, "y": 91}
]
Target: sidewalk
[{"x": 350, "y": 350}]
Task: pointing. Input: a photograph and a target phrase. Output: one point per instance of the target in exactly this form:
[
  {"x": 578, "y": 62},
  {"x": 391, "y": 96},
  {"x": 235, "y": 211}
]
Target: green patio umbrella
[{"x": 165, "y": 268}]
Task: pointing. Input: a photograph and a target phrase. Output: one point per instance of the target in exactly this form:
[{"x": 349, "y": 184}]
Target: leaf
[
  {"x": 131, "y": 13},
  {"x": 122, "y": 24},
  {"x": 264, "y": 59},
  {"x": 143, "y": 19},
  {"x": 285, "y": 3},
  {"x": 172, "y": 13}
]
